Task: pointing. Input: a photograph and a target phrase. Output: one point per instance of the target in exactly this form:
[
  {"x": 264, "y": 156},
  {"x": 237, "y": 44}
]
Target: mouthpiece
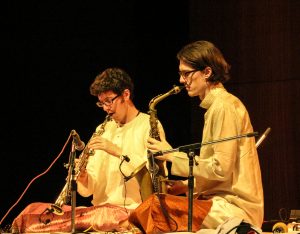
[{"x": 176, "y": 89}]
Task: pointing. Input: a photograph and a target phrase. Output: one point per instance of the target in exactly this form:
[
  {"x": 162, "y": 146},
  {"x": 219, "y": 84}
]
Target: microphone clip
[{"x": 78, "y": 143}]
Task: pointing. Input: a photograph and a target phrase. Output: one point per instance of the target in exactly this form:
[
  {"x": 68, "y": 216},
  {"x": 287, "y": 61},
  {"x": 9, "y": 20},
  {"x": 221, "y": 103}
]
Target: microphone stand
[
  {"x": 73, "y": 186},
  {"x": 191, "y": 156},
  {"x": 190, "y": 150}
]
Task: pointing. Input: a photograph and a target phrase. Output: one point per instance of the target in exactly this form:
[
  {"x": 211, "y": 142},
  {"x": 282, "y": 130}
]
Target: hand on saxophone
[
  {"x": 83, "y": 175},
  {"x": 83, "y": 178},
  {"x": 177, "y": 187},
  {"x": 156, "y": 145},
  {"x": 100, "y": 143}
]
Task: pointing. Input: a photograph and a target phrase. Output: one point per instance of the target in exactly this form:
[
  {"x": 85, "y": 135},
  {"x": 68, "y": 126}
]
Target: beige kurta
[
  {"x": 106, "y": 182},
  {"x": 228, "y": 172}
]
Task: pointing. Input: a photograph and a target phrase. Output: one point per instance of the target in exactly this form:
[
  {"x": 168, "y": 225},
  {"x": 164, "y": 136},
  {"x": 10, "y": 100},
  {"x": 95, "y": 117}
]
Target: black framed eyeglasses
[
  {"x": 186, "y": 74},
  {"x": 107, "y": 102}
]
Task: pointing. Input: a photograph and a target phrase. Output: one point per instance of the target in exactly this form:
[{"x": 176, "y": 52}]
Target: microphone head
[
  {"x": 267, "y": 131},
  {"x": 79, "y": 144},
  {"x": 126, "y": 158},
  {"x": 252, "y": 134}
]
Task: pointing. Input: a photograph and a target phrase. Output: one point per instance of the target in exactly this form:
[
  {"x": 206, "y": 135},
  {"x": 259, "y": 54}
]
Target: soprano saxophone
[
  {"x": 156, "y": 167},
  {"x": 65, "y": 193}
]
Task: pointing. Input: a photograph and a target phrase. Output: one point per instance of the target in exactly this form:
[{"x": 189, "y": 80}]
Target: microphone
[
  {"x": 252, "y": 134},
  {"x": 263, "y": 136},
  {"x": 125, "y": 157},
  {"x": 79, "y": 144}
]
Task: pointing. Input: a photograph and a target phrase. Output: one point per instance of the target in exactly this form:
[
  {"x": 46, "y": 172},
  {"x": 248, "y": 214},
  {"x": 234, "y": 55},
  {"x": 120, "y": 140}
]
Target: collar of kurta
[{"x": 211, "y": 96}]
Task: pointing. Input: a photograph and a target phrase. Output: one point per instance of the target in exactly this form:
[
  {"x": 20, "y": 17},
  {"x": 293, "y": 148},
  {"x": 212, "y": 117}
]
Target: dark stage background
[{"x": 51, "y": 52}]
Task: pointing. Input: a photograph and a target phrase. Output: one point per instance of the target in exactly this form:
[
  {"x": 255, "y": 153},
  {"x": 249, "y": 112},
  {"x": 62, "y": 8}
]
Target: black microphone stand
[
  {"x": 73, "y": 185},
  {"x": 190, "y": 150},
  {"x": 191, "y": 156}
]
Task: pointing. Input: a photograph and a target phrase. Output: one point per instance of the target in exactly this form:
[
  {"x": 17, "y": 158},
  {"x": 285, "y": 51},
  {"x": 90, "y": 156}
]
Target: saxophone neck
[
  {"x": 160, "y": 97},
  {"x": 107, "y": 118},
  {"x": 101, "y": 129}
]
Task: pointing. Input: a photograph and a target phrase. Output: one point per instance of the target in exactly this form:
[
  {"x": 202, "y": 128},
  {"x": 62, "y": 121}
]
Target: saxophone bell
[{"x": 56, "y": 209}]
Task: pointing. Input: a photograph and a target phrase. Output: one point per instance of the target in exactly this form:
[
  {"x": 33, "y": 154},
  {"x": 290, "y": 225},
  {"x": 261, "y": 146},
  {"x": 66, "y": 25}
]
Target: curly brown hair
[{"x": 112, "y": 79}]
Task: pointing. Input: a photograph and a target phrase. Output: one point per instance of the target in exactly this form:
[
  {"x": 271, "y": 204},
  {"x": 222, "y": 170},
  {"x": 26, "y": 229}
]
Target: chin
[
  {"x": 191, "y": 93},
  {"x": 113, "y": 117}
]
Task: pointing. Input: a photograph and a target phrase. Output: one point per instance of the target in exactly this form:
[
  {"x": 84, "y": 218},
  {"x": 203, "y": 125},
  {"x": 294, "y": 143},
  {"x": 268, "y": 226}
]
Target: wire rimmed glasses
[{"x": 107, "y": 102}]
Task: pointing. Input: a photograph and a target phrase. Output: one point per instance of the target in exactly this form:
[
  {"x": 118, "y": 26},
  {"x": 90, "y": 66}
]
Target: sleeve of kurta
[
  {"x": 216, "y": 161},
  {"x": 93, "y": 164}
]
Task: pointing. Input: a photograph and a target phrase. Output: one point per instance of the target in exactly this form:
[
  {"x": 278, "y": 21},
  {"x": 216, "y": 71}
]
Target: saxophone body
[
  {"x": 157, "y": 167},
  {"x": 65, "y": 194}
]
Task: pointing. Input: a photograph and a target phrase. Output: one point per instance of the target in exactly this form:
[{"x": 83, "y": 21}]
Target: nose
[
  {"x": 181, "y": 80},
  {"x": 106, "y": 108}
]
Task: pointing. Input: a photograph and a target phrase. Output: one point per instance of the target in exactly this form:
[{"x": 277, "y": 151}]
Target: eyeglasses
[
  {"x": 185, "y": 74},
  {"x": 107, "y": 102}
]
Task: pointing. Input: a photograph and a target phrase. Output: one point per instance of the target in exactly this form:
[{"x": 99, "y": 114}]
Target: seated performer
[
  {"x": 123, "y": 135},
  {"x": 227, "y": 173}
]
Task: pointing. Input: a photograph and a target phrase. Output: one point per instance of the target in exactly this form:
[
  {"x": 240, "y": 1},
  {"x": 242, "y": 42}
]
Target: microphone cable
[{"x": 35, "y": 178}]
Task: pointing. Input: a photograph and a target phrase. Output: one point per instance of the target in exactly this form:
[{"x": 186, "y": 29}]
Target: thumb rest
[{"x": 65, "y": 194}]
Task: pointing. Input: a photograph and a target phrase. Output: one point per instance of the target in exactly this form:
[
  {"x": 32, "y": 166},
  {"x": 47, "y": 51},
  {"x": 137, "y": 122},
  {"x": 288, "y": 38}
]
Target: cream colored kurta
[
  {"x": 228, "y": 172},
  {"x": 106, "y": 182}
]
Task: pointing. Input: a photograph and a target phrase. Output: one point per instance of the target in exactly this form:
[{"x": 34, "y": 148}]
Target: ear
[
  {"x": 207, "y": 72},
  {"x": 126, "y": 94}
]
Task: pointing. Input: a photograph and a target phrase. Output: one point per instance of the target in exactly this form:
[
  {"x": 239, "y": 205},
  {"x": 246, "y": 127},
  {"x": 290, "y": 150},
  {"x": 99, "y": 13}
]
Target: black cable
[
  {"x": 242, "y": 228},
  {"x": 166, "y": 214},
  {"x": 125, "y": 191},
  {"x": 45, "y": 220},
  {"x": 125, "y": 179}
]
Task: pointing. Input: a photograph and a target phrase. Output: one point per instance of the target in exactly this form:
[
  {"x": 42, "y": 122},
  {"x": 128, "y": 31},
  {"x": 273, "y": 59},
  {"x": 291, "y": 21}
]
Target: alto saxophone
[
  {"x": 65, "y": 194},
  {"x": 156, "y": 167}
]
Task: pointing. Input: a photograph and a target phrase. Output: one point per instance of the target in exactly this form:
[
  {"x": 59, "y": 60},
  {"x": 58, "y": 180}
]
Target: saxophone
[
  {"x": 156, "y": 167},
  {"x": 65, "y": 194}
]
